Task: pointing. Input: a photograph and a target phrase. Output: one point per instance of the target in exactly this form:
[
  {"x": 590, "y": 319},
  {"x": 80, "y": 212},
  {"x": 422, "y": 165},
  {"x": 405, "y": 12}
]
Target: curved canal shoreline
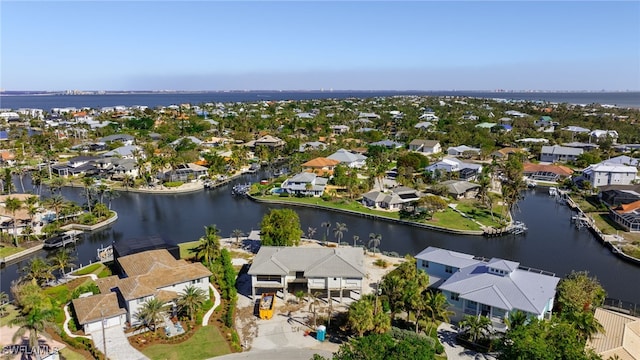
[
  {"x": 39, "y": 247},
  {"x": 370, "y": 216}
]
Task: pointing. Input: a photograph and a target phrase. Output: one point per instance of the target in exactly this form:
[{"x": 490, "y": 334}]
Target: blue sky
[{"x": 303, "y": 45}]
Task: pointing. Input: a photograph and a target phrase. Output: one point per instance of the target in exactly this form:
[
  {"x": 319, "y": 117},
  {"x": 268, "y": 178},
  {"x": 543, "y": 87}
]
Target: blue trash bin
[{"x": 321, "y": 332}]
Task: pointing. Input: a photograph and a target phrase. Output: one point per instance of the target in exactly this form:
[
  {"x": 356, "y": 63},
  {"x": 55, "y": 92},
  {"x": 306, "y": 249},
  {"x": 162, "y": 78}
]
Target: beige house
[
  {"x": 621, "y": 337},
  {"x": 150, "y": 274},
  {"x": 92, "y": 311}
]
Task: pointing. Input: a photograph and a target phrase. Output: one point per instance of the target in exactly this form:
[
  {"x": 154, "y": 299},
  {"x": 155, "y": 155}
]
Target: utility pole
[{"x": 104, "y": 337}]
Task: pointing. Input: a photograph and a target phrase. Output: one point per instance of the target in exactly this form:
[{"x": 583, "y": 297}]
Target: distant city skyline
[{"x": 306, "y": 45}]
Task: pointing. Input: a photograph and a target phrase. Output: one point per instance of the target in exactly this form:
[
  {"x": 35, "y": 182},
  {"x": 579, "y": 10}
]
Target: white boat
[{"x": 553, "y": 191}]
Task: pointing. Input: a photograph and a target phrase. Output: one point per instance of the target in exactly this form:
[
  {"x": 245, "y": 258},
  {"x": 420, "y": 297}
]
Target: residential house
[
  {"x": 320, "y": 166},
  {"x": 576, "y": 129},
  {"x": 94, "y": 312},
  {"x": 423, "y": 125},
  {"x": 601, "y": 135},
  {"x": 581, "y": 145},
  {"x": 185, "y": 172},
  {"x": 465, "y": 171},
  {"x": 558, "y": 153},
  {"x": 609, "y": 174},
  {"x": 352, "y": 160},
  {"x": 486, "y": 125},
  {"x": 370, "y": 116},
  {"x": 627, "y": 216},
  {"x": 619, "y": 338},
  {"x": 291, "y": 269},
  {"x": 394, "y": 200},
  {"x": 305, "y": 184},
  {"x": 145, "y": 275},
  {"x": 548, "y": 172},
  {"x": 425, "y": 146},
  {"x": 614, "y": 195},
  {"x": 389, "y": 144},
  {"x": 516, "y": 113},
  {"x": 463, "y": 150},
  {"x": 125, "y": 139},
  {"x": 268, "y": 141},
  {"x": 623, "y": 160},
  {"x": 312, "y": 145},
  {"x": 7, "y": 157},
  {"x": 488, "y": 287},
  {"x": 544, "y": 121},
  {"x": 126, "y": 152},
  {"x": 191, "y": 139},
  {"x": 460, "y": 189},
  {"x": 339, "y": 129},
  {"x": 504, "y": 153}
]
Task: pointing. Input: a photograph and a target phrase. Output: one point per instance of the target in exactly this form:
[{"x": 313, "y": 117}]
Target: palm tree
[
  {"x": 34, "y": 323},
  {"x": 314, "y": 305},
  {"x": 310, "y": 232},
  {"x": 56, "y": 203},
  {"x": 151, "y": 313},
  {"x": 62, "y": 260},
  {"x": 360, "y": 316},
  {"x": 102, "y": 190},
  {"x": 111, "y": 194},
  {"x": 375, "y": 239},
  {"x": 326, "y": 224},
  {"x": 4, "y": 300},
  {"x": 338, "y": 232},
  {"x": 356, "y": 238},
  {"x": 237, "y": 233},
  {"x": 12, "y": 205},
  {"x": 516, "y": 319},
  {"x": 586, "y": 324},
  {"x": 128, "y": 181},
  {"x": 437, "y": 308},
  {"x": 476, "y": 326},
  {"x": 56, "y": 184},
  {"x": 209, "y": 246},
  {"x": 191, "y": 300},
  {"x": 38, "y": 270},
  {"x": 88, "y": 184}
]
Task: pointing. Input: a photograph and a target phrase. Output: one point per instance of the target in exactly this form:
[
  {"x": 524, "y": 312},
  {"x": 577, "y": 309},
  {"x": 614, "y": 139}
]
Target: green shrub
[
  {"x": 87, "y": 219},
  {"x": 173, "y": 183}
]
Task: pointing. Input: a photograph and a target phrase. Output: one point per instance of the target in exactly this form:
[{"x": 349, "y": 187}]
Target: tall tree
[
  {"x": 475, "y": 326},
  {"x": 191, "y": 300},
  {"x": 34, "y": 323},
  {"x": 88, "y": 184},
  {"x": 13, "y": 205},
  {"x": 280, "y": 227},
  {"x": 62, "y": 260},
  {"x": 37, "y": 270},
  {"x": 209, "y": 246},
  {"x": 151, "y": 313},
  {"x": 339, "y": 231},
  {"x": 237, "y": 233},
  {"x": 375, "y": 239},
  {"x": 56, "y": 203},
  {"x": 578, "y": 292}
]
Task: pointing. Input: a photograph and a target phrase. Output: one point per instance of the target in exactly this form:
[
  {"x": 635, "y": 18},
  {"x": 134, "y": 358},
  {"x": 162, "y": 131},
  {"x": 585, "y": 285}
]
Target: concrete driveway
[
  {"x": 118, "y": 347},
  {"x": 447, "y": 335}
]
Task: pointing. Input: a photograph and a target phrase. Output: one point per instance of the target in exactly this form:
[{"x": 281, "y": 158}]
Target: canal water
[{"x": 552, "y": 242}]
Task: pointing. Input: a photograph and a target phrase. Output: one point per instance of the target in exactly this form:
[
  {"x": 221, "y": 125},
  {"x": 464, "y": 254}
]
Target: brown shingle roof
[
  {"x": 106, "y": 284},
  {"x": 152, "y": 270},
  {"x": 621, "y": 336},
  {"x": 96, "y": 307}
]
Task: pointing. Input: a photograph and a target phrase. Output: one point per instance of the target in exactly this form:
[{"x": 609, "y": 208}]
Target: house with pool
[
  {"x": 304, "y": 184},
  {"x": 488, "y": 287}
]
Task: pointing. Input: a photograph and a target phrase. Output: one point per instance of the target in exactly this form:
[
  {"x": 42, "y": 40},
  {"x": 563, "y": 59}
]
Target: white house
[
  {"x": 290, "y": 269},
  {"x": 609, "y": 174},
  {"x": 465, "y": 170},
  {"x": 462, "y": 149},
  {"x": 348, "y": 158},
  {"x": 339, "y": 129},
  {"x": 305, "y": 183},
  {"x": 601, "y": 135},
  {"x": 488, "y": 287},
  {"x": 425, "y": 146},
  {"x": 557, "y": 153}
]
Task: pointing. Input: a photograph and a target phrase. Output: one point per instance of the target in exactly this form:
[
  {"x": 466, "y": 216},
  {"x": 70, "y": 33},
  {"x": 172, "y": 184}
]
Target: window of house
[
  {"x": 455, "y": 296},
  {"x": 425, "y": 263},
  {"x": 268, "y": 278},
  {"x": 448, "y": 269},
  {"x": 196, "y": 281}
]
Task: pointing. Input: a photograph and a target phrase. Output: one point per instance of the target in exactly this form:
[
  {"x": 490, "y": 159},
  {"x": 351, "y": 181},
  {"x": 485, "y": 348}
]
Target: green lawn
[
  {"x": 481, "y": 214},
  {"x": 338, "y": 204},
  {"x": 91, "y": 269},
  {"x": 206, "y": 343},
  {"x": 185, "y": 249},
  {"x": 69, "y": 354},
  {"x": 452, "y": 220},
  {"x": 9, "y": 250}
]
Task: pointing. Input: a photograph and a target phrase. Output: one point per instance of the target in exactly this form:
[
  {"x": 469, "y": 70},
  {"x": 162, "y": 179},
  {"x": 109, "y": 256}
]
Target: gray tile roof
[
  {"x": 345, "y": 156},
  {"x": 314, "y": 262},
  {"x": 447, "y": 257}
]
